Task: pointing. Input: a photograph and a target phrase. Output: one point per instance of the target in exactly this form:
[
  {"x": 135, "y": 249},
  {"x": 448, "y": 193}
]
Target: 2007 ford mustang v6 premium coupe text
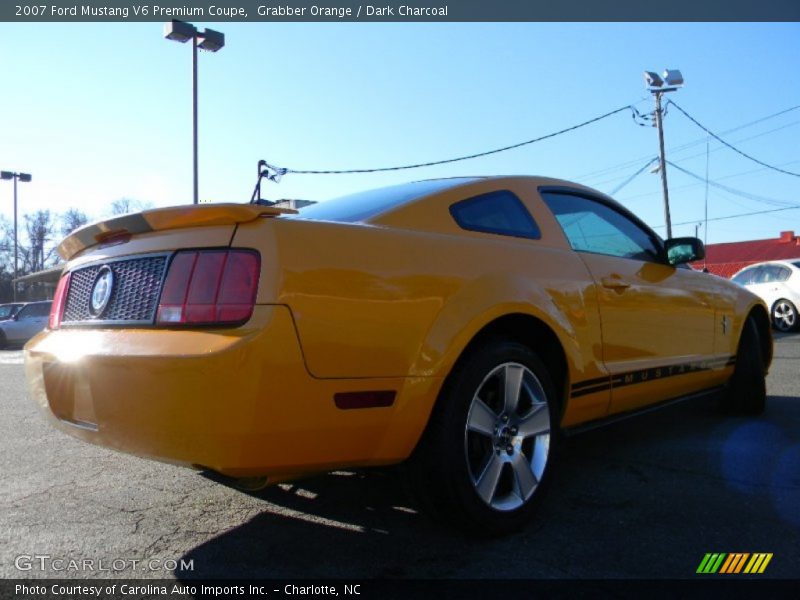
[{"x": 454, "y": 325}]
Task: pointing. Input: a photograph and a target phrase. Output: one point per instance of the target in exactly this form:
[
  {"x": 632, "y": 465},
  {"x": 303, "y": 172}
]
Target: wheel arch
[{"x": 533, "y": 333}]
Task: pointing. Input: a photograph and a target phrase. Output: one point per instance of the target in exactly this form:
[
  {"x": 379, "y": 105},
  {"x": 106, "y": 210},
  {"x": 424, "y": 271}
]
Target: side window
[
  {"x": 497, "y": 212},
  {"x": 745, "y": 277},
  {"x": 34, "y": 311},
  {"x": 773, "y": 273},
  {"x": 761, "y": 275},
  {"x": 591, "y": 226}
]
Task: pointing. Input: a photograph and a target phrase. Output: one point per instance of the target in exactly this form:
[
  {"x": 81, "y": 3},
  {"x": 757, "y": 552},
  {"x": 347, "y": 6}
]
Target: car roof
[
  {"x": 367, "y": 205},
  {"x": 789, "y": 262}
]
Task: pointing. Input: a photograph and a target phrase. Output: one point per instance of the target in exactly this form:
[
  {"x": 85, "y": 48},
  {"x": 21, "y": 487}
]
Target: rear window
[
  {"x": 371, "y": 203},
  {"x": 499, "y": 212}
]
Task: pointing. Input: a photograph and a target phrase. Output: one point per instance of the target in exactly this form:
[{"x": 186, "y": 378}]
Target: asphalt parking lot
[{"x": 645, "y": 498}]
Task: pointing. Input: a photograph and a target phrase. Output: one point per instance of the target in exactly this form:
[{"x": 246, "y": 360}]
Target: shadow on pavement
[{"x": 660, "y": 489}]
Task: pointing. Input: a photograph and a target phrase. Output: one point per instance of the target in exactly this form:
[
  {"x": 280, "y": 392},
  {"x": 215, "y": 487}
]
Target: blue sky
[{"x": 97, "y": 112}]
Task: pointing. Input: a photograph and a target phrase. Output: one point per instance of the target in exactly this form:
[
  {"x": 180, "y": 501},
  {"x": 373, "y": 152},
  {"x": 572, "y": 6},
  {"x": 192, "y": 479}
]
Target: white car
[{"x": 778, "y": 284}]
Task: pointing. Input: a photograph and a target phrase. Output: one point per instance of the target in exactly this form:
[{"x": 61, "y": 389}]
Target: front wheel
[
  {"x": 488, "y": 447},
  {"x": 784, "y": 316}
]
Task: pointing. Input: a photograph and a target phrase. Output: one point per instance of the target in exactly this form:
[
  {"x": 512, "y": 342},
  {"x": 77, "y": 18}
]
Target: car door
[
  {"x": 30, "y": 320},
  {"x": 657, "y": 320},
  {"x": 771, "y": 285}
]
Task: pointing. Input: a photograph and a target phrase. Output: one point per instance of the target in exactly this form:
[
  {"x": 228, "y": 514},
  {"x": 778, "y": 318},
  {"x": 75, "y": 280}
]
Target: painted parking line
[{"x": 11, "y": 358}]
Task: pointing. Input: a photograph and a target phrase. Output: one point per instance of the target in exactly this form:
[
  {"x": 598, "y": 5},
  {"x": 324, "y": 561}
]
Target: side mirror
[{"x": 684, "y": 250}]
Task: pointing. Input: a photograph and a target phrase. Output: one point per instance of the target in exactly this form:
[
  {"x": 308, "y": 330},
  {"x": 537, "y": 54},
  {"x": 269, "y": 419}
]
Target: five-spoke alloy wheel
[
  {"x": 507, "y": 436},
  {"x": 487, "y": 451},
  {"x": 784, "y": 315}
]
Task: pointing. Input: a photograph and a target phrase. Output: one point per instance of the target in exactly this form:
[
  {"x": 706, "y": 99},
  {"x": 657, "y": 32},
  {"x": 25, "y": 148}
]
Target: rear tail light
[
  {"x": 209, "y": 287},
  {"x": 59, "y": 303}
]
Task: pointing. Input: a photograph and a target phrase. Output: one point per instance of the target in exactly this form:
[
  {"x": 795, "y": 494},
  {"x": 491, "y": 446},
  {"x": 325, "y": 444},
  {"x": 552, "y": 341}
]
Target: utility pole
[
  {"x": 656, "y": 85},
  {"x": 662, "y": 161}
]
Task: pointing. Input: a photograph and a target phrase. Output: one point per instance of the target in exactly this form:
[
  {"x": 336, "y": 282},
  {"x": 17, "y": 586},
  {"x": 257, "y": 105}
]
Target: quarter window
[
  {"x": 591, "y": 226},
  {"x": 497, "y": 212}
]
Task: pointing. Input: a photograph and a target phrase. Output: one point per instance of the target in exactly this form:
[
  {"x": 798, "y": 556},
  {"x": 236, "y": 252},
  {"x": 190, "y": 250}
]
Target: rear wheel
[
  {"x": 487, "y": 451},
  {"x": 784, "y": 316},
  {"x": 747, "y": 389}
]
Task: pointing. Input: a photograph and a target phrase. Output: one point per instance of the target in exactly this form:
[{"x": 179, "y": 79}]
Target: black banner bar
[
  {"x": 732, "y": 587},
  {"x": 399, "y": 11}
]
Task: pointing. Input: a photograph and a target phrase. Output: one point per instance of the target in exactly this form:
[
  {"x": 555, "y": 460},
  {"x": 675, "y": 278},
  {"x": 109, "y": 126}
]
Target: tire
[
  {"x": 483, "y": 460},
  {"x": 784, "y": 316},
  {"x": 746, "y": 392}
]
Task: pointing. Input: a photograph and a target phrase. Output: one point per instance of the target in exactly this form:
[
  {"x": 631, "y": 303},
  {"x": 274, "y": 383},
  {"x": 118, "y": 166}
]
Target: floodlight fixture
[
  {"x": 24, "y": 177},
  {"x": 652, "y": 79},
  {"x": 6, "y": 175},
  {"x": 212, "y": 40},
  {"x": 673, "y": 77},
  {"x": 179, "y": 31}
]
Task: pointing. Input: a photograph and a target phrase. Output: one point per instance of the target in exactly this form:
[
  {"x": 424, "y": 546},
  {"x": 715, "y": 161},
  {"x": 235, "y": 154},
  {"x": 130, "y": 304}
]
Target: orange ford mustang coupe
[{"x": 456, "y": 325}]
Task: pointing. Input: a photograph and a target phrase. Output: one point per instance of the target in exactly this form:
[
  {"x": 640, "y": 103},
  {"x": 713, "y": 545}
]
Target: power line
[
  {"x": 279, "y": 172},
  {"x": 737, "y": 216},
  {"x": 691, "y": 185},
  {"x": 747, "y": 139},
  {"x": 734, "y": 148},
  {"x": 632, "y": 177},
  {"x": 731, "y": 190},
  {"x": 686, "y": 146}
]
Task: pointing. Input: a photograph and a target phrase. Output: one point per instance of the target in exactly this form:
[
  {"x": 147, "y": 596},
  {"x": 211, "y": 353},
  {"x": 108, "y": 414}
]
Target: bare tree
[
  {"x": 6, "y": 259},
  {"x": 71, "y": 220},
  {"x": 40, "y": 250},
  {"x": 123, "y": 206}
]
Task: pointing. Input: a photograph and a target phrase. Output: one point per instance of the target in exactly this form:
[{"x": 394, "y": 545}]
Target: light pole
[
  {"x": 210, "y": 40},
  {"x": 672, "y": 80},
  {"x": 24, "y": 178}
]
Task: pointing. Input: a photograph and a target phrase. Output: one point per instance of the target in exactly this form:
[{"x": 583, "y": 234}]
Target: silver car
[{"x": 29, "y": 320}]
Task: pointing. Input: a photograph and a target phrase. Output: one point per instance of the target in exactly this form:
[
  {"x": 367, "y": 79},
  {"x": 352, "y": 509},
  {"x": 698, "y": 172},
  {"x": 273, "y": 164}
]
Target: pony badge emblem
[{"x": 101, "y": 291}]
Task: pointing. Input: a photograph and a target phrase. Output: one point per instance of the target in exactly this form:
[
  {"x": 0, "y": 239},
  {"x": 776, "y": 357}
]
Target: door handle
[{"x": 615, "y": 283}]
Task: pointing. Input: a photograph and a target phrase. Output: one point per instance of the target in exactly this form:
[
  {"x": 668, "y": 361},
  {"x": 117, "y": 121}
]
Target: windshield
[
  {"x": 365, "y": 205},
  {"x": 8, "y": 310}
]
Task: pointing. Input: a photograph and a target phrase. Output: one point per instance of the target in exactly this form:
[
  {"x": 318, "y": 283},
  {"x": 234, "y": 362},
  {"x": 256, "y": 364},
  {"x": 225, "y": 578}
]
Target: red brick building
[{"x": 725, "y": 259}]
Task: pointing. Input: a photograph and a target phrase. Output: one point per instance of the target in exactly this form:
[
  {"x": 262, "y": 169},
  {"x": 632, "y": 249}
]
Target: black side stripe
[{"x": 591, "y": 386}]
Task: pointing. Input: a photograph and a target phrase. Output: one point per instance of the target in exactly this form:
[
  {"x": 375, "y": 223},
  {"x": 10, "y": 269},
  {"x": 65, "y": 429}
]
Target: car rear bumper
[{"x": 239, "y": 402}]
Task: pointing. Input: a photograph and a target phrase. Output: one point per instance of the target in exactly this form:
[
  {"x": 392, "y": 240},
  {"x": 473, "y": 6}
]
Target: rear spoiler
[{"x": 161, "y": 219}]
